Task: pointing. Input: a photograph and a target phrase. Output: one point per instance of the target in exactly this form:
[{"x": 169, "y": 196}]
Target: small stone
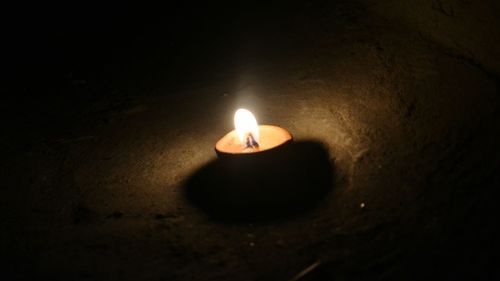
[
  {"x": 251, "y": 244},
  {"x": 362, "y": 205}
]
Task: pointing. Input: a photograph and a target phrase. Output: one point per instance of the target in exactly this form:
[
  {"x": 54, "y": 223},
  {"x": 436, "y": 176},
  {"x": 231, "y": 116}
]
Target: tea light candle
[{"x": 249, "y": 137}]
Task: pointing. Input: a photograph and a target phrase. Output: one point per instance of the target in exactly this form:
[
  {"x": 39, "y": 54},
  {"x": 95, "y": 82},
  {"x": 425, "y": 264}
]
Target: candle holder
[{"x": 249, "y": 138}]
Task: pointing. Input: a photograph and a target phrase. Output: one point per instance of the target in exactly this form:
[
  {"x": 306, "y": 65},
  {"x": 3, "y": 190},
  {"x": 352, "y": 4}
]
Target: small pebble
[
  {"x": 251, "y": 244},
  {"x": 362, "y": 205}
]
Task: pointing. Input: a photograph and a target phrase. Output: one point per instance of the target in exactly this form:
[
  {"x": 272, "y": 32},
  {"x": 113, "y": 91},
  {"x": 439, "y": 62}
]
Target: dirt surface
[{"x": 101, "y": 152}]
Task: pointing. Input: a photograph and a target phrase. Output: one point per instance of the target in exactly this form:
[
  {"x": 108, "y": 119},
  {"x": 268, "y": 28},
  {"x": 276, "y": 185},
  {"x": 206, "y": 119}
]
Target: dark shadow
[{"x": 264, "y": 186}]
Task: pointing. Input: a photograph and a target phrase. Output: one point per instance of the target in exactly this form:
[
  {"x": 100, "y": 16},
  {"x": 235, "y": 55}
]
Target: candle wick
[{"x": 251, "y": 143}]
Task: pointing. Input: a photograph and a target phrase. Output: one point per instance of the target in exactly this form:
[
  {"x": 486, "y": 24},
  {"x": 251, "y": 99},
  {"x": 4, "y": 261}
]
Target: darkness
[{"x": 111, "y": 113}]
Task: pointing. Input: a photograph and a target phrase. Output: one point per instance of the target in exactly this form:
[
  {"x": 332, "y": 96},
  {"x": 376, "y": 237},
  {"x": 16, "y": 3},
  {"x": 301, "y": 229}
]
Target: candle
[
  {"x": 260, "y": 174},
  {"x": 249, "y": 138}
]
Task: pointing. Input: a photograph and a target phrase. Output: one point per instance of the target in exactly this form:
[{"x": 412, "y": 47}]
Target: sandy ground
[{"x": 97, "y": 172}]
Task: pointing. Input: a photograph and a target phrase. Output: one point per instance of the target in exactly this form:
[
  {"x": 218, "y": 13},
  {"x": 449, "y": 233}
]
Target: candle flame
[{"x": 246, "y": 126}]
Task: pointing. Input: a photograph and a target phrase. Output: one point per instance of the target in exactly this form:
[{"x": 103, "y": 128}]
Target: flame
[{"x": 246, "y": 125}]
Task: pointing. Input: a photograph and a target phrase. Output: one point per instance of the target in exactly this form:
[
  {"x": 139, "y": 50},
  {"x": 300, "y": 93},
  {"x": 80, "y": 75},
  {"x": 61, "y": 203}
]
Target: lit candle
[{"x": 249, "y": 137}]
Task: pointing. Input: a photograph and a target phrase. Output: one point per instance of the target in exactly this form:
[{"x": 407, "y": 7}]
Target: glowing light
[{"x": 246, "y": 126}]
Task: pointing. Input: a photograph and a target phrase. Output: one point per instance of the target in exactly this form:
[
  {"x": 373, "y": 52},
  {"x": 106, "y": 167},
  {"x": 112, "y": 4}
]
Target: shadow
[{"x": 265, "y": 186}]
